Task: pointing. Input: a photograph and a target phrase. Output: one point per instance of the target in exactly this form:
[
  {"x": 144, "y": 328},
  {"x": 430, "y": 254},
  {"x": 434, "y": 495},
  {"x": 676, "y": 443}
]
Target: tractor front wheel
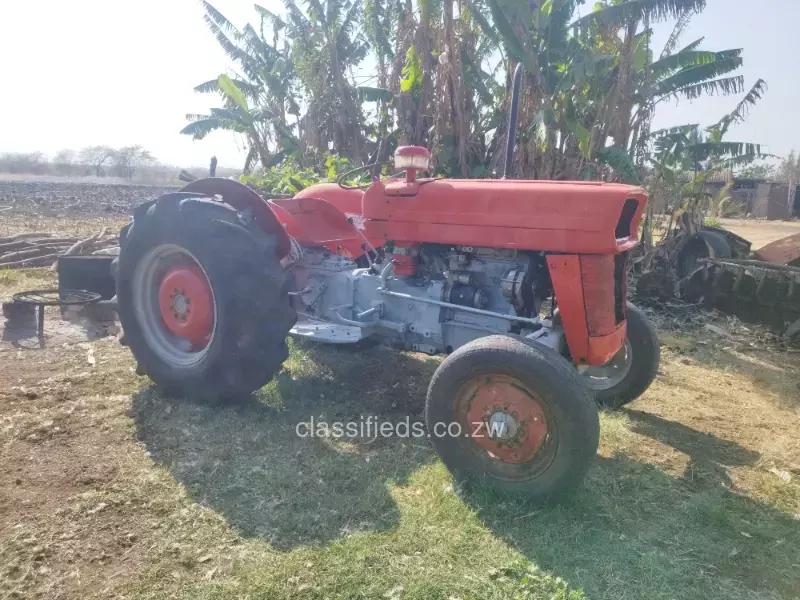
[
  {"x": 513, "y": 415},
  {"x": 201, "y": 297},
  {"x": 631, "y": 371}
]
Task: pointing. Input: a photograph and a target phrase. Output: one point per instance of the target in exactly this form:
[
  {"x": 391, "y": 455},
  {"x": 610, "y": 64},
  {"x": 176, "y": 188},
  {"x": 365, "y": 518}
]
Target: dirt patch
[
  {"x": 61, "y": 454},
  {"x": 74, "y": 199},
  {"x": 761, "y": 233}
]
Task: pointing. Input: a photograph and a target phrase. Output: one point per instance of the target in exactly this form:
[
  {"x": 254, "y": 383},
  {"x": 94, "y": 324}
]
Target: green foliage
[
  {"x": 590, "y": 90},
  {"x": 411, "y": 77},
  {"x": 723, "y": 204},
  {"x": 763, "y": 171},
  {"x": 287, "y": 177},
  {"x": 229, "y": 88},
  {"x": 621, "y": 162},
  {"x": 336, "y": 165},
  {"x": 374, "y": 94}
]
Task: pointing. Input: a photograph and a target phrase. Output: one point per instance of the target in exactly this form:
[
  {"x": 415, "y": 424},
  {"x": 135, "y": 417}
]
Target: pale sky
[{"x": 120, "y": 72}]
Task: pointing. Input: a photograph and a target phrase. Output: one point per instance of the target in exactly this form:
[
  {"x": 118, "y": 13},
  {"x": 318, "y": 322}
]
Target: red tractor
[{"x": 521, "y": 283}]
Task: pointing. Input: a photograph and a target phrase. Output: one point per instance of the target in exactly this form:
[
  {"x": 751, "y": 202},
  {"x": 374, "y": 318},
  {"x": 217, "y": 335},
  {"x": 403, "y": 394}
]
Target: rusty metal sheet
[{"x": 785, "y": 251}]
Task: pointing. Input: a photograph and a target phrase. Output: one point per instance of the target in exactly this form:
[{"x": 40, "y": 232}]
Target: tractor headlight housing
[{"x": 412, "y": 157}]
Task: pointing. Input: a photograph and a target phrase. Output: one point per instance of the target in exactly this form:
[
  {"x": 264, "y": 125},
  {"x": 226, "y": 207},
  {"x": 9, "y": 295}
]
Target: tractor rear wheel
[
  {"x": 631, "y": 371},
  {"x": 514, "y": 415},
  {"x": 201, "y": 297}
]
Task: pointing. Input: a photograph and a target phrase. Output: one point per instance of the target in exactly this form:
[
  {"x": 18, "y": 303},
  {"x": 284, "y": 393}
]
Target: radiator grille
[{"x": 620, "y": 285}]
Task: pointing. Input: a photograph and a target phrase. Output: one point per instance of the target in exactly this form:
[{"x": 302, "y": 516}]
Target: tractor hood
[{"x": 553, "y": 216}]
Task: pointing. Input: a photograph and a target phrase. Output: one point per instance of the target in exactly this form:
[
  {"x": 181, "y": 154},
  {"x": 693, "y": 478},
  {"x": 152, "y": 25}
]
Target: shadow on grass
[
  {"x": 709, "y": 455},
  {"x": 633, "y": 531},
  {"x": 774, "y": 371},
  {"x": 248, "y": 463}
]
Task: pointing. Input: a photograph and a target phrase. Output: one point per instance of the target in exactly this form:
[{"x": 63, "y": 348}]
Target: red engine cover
[{"x": 572, "y": 217}]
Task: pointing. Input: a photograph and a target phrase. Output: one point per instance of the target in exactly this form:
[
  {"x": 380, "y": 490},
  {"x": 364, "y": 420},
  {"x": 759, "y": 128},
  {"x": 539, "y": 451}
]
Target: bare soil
[
  {"x": 73, "y": 199},
  {"x": 759, "y": 232}
]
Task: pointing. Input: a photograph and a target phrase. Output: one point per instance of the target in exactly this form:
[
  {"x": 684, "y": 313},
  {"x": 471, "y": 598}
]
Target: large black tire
[
  {"x": 253, "y": 309},
  {"x": 645, "y": 356},
  {"x": 570, "y": 445},
  {"x": 703, "y": 244}
]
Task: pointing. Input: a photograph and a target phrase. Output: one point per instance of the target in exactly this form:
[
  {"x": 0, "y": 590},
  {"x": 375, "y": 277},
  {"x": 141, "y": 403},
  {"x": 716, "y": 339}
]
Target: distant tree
[
  {"x": 24, "y": 162},
  {"x": 128, "y": 159},
  {"x": 758, "y": 172},
  {"x": 789, "y": 173},
  {"x": 64, "y": 162},
  {"x": 789, "y": 169},
  {"x": 96, "y": 157}
]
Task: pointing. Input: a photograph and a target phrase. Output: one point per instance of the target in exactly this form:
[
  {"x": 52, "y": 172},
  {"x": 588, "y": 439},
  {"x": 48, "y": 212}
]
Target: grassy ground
[
  {"x": 110, "y": 490},
  {"x": 19, "y": 280}
]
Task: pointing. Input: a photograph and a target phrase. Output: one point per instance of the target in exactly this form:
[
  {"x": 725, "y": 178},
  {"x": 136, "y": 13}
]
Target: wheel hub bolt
[{"x": 502, "y": 426}]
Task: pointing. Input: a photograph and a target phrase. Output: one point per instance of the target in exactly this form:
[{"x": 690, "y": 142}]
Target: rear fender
[
  {"x": 317, "y": 222},
  {"x": 242, "y": 198}
]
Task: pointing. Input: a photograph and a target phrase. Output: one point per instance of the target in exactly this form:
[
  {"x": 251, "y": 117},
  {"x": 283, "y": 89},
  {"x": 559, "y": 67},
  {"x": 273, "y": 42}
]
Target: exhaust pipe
[{"x": 512, "y": 121}]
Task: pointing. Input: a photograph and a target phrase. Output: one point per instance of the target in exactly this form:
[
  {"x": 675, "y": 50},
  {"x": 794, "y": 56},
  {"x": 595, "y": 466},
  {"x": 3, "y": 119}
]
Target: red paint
[
  {"x": 603, "y": 348},
  {"x": 405, "y": 259},
  {"x": 597, "y": 279},
  {"x": 346, "y": 200},
  {"x": 404, "y": 265},
  {"x": 565, "y": 273},
  {"x": 586, "y": 305},
  {"x": 785, "y": 251},
  {"x": 575, "y": 222},
  {"x": 412, "y": 152},
  {"x": 490, "y": 394},
  {"x": 187, "y": 304},
  {"x": 570, "y": 217},
  {"x": 316, "y": 222}
]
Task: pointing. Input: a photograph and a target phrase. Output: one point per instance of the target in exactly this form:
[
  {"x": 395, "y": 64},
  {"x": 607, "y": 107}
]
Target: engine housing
[{"x": 456, "y": 295}]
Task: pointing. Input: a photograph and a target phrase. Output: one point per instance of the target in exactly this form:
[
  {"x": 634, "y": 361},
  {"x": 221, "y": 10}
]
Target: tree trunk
[
  {"x": 624, "y": 91},
  {"x": 423, "y": 47},
  {"x": 460, "y": 123}
]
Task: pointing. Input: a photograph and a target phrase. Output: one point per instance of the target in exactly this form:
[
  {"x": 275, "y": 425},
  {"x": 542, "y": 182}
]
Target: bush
[{"x": 289, "y": 178}]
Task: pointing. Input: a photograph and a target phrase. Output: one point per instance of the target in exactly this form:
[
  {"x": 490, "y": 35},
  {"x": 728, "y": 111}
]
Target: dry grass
[
  {"x": 12, "y": 223},
  {"x": 108, "y": 489},
  {"x": 18, "y": 280}
]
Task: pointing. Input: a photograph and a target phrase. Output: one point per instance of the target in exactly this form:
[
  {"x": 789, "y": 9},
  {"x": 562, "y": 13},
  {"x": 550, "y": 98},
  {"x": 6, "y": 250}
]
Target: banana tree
[
  {"x": 689, "y": 73},
  {"x": 260, "y": 126},
  {"x": 688, "y": 148},
  {"x": 329, "y": 41},
  {"x": 583, "y": 88},
  {"x": 693, "y": 154},
  {"x": 265, "y": 80}
]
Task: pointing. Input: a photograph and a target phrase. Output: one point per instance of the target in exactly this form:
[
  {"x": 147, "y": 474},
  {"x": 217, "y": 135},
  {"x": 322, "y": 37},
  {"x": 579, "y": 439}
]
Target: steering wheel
[{"x": 363, "y": 186}]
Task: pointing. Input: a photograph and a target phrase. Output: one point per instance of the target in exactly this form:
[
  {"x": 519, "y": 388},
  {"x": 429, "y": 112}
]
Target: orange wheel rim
[
  {"x": 504, "y": 417},
  {"x": 187, "y": 304}
]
